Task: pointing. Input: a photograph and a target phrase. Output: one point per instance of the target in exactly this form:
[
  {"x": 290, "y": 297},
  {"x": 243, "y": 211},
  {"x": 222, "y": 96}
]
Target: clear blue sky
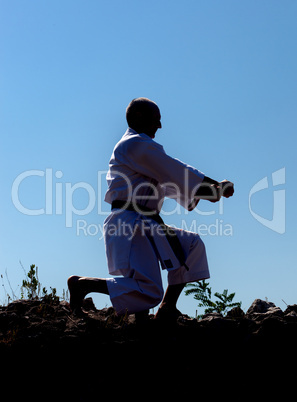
[{"x": 223, "y": 73}]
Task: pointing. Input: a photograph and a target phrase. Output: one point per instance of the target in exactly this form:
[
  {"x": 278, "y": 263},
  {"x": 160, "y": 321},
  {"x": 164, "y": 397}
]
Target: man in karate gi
[{"x": 137, "y": 241}]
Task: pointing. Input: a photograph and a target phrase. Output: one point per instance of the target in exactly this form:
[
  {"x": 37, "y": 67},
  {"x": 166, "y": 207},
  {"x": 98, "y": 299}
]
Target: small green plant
[
  {"x": 32, "y": 286},
  {"x": 202, "y": 293},
  {"x": 50, "y": 297}
]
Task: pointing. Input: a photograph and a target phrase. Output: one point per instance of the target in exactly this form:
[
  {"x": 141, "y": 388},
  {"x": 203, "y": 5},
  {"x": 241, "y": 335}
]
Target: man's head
[{"x": 143, "y": 116}]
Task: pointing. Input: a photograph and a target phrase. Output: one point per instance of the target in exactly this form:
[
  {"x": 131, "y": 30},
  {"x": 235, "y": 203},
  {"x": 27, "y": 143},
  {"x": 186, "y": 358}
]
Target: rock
[
  {"x": 108, "y": 311},
  {"x": 290, "y": 315},
  {"x": 210, "y": 316},
  {"x": 236, "y": 312},
  {"x": 261, "y": 309},
  {"x": 291, "y": 308},
  {"x": 260, "y": 306},
  {"x": 212, "y": 321},
  {"x": 275, "y": 311}
]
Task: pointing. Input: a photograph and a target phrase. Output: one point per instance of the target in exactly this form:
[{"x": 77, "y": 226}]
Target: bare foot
[
  {"x": 167, "y": 313},
  {"x": 77, "y": 295}
]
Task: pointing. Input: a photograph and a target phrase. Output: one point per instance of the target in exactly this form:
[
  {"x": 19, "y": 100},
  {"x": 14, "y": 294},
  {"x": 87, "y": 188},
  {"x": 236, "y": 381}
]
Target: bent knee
[
  {"x": 153, "y": 293},
  {"x": 158, "y": 296}
]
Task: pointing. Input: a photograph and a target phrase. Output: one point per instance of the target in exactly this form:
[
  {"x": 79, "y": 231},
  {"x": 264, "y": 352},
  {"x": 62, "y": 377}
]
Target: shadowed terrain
[{"x": 44, "y": 347}]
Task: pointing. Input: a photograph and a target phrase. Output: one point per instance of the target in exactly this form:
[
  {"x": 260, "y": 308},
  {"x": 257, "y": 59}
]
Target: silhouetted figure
[{"x": 137, "y": 241}]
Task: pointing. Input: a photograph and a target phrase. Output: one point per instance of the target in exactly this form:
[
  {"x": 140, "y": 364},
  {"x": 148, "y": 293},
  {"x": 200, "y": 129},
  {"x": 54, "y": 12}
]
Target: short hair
[{"x": 139, "y": 111}]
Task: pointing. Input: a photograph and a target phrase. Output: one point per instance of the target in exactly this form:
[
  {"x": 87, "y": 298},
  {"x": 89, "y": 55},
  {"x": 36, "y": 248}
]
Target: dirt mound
[{"x": 43, "y": 345}]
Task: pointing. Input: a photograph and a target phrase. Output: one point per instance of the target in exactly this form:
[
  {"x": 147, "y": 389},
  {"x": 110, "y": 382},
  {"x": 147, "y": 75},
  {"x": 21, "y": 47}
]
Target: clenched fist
[{"x": 227, "y": 188}]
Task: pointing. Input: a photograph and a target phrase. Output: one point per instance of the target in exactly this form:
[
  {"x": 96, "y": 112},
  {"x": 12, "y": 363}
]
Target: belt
[{"x": 170, "y": 234}]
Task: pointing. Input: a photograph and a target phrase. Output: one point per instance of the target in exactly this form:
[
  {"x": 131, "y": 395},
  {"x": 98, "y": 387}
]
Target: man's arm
[{"x": 212, "y": 190}]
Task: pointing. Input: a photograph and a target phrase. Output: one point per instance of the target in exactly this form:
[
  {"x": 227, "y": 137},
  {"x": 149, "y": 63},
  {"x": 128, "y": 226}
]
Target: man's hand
[
  {"x": 213, "y": 190},
  {"x": 227, "y": 188}
]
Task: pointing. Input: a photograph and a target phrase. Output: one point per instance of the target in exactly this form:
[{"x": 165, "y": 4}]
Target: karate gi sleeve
[{"x": 181, "y": 181}]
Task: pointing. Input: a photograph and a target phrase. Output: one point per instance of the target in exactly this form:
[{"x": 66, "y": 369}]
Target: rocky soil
[{"x": 46, "y": 350}]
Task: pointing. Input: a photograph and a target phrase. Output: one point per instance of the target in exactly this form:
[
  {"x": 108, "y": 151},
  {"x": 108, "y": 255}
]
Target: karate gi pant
[{"x": 140, "y": 286}]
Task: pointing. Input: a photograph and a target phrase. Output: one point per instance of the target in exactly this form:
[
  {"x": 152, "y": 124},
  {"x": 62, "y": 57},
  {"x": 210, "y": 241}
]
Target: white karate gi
[{"x": 141, "y": 171}]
